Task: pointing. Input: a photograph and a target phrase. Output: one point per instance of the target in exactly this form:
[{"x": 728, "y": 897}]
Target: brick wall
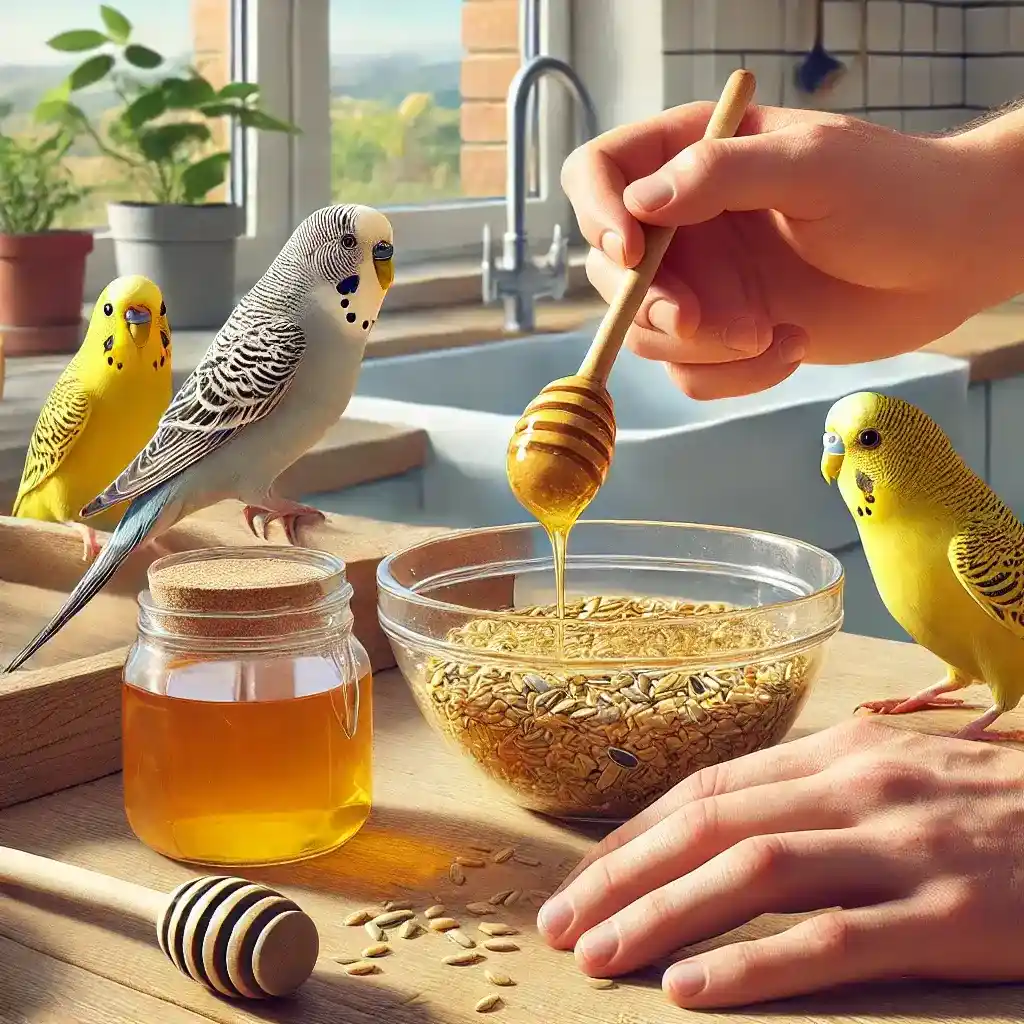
[{"x": 490, "y": 42}]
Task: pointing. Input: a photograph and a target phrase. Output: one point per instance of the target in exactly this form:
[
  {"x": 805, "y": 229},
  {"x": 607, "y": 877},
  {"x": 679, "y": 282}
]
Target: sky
[{"x": 357, "y": 26}]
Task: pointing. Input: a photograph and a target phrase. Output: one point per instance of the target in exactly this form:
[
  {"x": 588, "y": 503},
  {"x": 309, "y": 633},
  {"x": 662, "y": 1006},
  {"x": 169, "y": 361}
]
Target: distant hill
[{"x": 387, "y": 78}]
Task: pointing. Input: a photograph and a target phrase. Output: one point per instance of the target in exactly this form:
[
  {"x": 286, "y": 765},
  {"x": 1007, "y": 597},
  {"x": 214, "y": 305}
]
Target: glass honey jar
[{"x": 246, "y": 708}]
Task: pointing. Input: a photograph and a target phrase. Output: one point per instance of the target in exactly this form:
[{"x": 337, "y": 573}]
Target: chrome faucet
[{"x": 518, "y": 279}]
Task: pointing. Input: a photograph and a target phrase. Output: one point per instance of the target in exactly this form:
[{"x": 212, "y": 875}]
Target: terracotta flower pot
[{"x": 42, "y": 281}]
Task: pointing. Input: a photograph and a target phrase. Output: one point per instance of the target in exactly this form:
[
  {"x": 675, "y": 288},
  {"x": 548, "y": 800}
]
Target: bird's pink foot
[
  {"x": 91, "y": 545},
  {"x": 291, "y": 513},
  {"x": 979, "y": 729},
  {"x": 904, "y": 705}
]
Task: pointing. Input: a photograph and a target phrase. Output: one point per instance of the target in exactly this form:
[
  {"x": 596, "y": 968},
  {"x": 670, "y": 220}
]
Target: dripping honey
[
  {"x": 250, "y": 781},
  {"x": 247, "y": 708}
]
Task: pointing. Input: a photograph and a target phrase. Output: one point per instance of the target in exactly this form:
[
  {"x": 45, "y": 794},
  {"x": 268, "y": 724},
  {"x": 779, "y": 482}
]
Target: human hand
[
  {"x": 920, "y": 839},
  {"x": 809, "y": 236}
]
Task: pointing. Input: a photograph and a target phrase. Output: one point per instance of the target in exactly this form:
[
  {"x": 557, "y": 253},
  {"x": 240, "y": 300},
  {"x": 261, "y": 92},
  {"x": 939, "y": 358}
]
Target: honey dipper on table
[
  {"x": 562, "y": 445},
  {"x": 238, "y": 938}
]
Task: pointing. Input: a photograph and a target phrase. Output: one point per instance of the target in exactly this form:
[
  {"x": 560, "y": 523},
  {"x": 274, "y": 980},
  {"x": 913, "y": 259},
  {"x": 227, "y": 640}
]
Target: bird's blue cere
[
  {"x": 137, "y": 315},
  {"x": 833, "y": 444}
]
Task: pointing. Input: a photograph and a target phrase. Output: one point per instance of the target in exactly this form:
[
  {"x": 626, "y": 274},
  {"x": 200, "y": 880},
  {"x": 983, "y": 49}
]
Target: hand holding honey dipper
[{"x": 562, "y": 446}]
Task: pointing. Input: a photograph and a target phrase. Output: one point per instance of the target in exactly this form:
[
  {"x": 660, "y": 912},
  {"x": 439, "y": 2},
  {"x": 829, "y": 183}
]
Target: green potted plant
[
  {"x": 42, "y": 270},
  {"x": 161, "y": 138}
]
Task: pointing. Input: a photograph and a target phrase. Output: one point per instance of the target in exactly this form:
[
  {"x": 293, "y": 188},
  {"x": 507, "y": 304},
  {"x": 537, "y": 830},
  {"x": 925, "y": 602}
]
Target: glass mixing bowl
[{"x": 683, "y": 645}]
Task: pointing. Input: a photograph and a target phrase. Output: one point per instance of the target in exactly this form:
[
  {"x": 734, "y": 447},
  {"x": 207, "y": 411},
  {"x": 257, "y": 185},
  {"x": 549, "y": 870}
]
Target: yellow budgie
[
  {"x": 102, "y": 411},
  {"x": 946, "y": 554}
]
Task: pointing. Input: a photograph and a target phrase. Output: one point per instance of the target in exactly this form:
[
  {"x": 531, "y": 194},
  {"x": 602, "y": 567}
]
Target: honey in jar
[{"x": 246, "y": 708}]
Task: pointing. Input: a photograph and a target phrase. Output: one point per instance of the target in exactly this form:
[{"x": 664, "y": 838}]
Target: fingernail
[
  {"x": 555, "y": 917},
  {"x": 663, "y": 315},
  {"x": 598, "y": 947},
  {"x": 651, "y": 193},
  {"x": 741, "y": 336},
  {"x": 792, "y": 348},
  {"x": 613, "y": 247},
  {"x": 686, "y": 979}
]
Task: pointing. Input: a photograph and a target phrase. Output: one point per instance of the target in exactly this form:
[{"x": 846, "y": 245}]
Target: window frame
[{"x": 282, "y": 178}]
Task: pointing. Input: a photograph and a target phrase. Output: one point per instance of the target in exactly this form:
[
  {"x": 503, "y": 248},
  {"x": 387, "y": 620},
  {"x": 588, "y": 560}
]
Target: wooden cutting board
[{"x": 429, "y": 806}]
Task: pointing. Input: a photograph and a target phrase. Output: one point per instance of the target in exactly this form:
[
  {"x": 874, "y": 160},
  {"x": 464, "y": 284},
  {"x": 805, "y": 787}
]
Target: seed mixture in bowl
[{"x": 583, "y": 743}]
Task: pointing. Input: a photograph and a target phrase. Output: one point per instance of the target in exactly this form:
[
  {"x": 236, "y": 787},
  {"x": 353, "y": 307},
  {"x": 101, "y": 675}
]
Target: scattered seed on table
[
  {"x": 460, "y": 938},
  {"x": 375, "y": 931},
  {"x": 494, "y": 928},
  {"x": 513, "y": 897},
  {"x": 501, "y": 946},
  {"x": 456, "y": 874},
  {"x": 358, "y": 917},
  {"x": 442, "y": 924},
  {"x": 435, "y": 911},
  {"x": 498, "y": 978},
  {"x": 346, "y": 960},
  {"x": 409, "y": 930},
  {"x": 470, "y": 862},
  {"x": 463, "y": 959},
  {"x": 396, "y": 905},
  {"x": 499, "y": 897},
  {"x": 392, "y": 918},
  {"x": 503, "y": 854},
  {"x": 488, "y": 1003},
  {"x": 600, "y": 983},
  {"x": 479, "y": 909},
  {"x": 362, "y": 967},
  {"x": 378, "y": 949},
  {"x": 530, "y": 862},
  {"x": 480, "y": 848}
]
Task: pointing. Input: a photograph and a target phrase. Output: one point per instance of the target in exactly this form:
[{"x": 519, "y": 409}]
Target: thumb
[{"x": 780, "y": 170}]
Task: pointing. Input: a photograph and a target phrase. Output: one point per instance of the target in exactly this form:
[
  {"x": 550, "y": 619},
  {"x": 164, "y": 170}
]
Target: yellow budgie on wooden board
[
  {"x": 102, "y": 411},
  {"x": 946, "y": 554}
]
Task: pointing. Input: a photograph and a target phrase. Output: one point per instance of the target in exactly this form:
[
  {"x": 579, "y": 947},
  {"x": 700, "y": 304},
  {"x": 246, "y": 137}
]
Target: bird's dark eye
[
  {"x": 383, "y": 250},
  {"x": 163, "y": 309},
  {"x": 869, "y": 438},
  {"x": 108, "y": 310},
  {"x": 349, "y": 241}
]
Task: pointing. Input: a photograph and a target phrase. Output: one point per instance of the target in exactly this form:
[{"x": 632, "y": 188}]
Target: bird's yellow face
[
  {"x": 130, "y": 328},
  {"x": 851, "y": 433}
]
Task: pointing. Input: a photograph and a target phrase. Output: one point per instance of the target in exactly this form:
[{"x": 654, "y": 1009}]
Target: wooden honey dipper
[
  {"x": 562, "y": 445},
  {"x": 236, "y": 937}
]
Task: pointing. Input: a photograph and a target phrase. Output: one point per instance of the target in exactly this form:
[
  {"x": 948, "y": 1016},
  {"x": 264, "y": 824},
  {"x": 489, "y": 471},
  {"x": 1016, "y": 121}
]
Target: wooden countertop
[{"x": 63, "y": 967}]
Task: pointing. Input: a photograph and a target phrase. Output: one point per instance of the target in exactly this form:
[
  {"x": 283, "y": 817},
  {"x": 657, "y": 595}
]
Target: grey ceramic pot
[{"x": 189, "y": 251}]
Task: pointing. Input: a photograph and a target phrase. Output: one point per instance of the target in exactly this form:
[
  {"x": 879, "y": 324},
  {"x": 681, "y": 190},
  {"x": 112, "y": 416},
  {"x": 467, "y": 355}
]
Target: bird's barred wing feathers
[
  {"x": 241, "y": 378},
  {"x": 60, "y": 424},
  {"x": 989, "y": 563}
]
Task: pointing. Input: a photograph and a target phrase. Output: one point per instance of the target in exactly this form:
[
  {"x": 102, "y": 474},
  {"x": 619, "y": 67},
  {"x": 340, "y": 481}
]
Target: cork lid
[{"x": 246, "y": 591}]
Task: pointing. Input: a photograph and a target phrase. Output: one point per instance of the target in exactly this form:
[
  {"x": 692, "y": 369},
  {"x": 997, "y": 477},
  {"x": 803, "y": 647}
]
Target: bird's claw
[
  {"x": 290, "y": 516},
  {"x": 91, "y": 545},
  {"x": 904, "y": 705}
]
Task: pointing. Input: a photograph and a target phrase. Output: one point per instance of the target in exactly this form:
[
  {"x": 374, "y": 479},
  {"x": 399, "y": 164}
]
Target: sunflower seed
[
  {"x": 409, "y": 930},
  {"x": 390, "y": 919},
  {"x": 513, "y": 897},
  {"x": 346, "y": 960},
  {"x": 396, "y": 905},
  {"x": 435, "y": 911},
  {"x": 498, "y": 978},
  {"x": 501, "y": 946},
  {"x": 623, "y": 758},
  {"x": 503, "y": 854},
  {"x": 358, "y": 917},
  {"x": 375, "y": 931},
  {"x": 499, "y": 897},
  {"x": 456, "y": 874},
  {"x": 470, "y": 862},
  {"x": 362, "y": 967},
  {"x": 460, "y": 938},
  {"x": 479, "y": 909},
  {"x": 463, "y": 959},
  {"x": 480, "y": 848},
  {"x": 442, "y": 924},
  {"x": 497, "y": 928},
  {"x": 600, "y": 983},
  {"x": 378, "y": 949},
  {"x": 530, "y": 862},
  {"x": 488, "y": 1003}
]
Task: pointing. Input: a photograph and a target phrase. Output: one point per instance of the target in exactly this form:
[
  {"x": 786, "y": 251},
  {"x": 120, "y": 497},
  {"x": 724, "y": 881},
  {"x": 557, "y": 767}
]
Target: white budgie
[{"x": 276, "y": 377}]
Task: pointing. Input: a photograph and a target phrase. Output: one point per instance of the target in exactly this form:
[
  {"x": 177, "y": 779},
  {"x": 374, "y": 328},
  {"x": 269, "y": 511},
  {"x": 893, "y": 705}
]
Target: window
[{"x": 400, "y": 104}]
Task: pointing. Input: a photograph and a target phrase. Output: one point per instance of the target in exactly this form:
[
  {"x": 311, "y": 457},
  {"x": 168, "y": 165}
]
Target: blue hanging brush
[{"x": 819, "y": 70}]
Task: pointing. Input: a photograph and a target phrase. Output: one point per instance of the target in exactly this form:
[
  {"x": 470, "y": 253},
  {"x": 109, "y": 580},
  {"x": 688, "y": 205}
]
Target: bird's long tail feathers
[{"x": 139, "y": 518}]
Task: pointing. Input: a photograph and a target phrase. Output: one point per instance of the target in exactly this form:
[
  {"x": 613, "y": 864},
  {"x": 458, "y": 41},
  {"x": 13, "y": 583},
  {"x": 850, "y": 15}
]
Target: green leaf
[
  {"x": 77, "y": 40},
  {"x": 91, "y": 71},
  {"x": 238, "y": 91},
  {"x": 148, "y": 106},
  {"x": 218, "y": 109},
  {"x": 57, "y": 109},
  {"x": 158, "y": 144},
  {"x": 262, "y": 121},
  {"x": 119, "y": 27},
  {"x": 142, "y": 56},
  {"x": 201, "y": 178},
  {"x": 187, "y": 93}
]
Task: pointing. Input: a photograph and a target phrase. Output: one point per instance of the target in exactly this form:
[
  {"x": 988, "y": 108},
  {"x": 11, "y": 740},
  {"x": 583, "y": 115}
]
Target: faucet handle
[
  {"x": 488, "y": 277},
  {"x": 556, "y": 263}
]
